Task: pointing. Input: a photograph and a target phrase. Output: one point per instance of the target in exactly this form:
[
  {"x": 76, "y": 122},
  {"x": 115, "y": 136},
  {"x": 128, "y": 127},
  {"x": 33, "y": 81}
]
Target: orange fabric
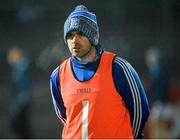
[{"x": 108, "y": 116}]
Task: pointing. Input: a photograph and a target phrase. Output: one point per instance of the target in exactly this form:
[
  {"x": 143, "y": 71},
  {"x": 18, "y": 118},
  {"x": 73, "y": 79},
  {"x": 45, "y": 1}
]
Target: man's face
[{"x": 78, "y": 44}]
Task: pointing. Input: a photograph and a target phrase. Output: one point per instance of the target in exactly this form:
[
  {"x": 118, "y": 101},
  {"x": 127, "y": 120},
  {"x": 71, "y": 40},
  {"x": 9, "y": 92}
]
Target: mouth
[{"x": 76, "y": 48}]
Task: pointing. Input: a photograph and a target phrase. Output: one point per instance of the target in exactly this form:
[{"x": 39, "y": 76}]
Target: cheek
[
  {"x": 69, "y": 45},
  {"x": 68, "y": 42},
  {"x": 87, "y": 42}
]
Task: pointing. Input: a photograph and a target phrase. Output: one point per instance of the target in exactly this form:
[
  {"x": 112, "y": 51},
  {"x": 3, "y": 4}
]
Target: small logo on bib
[{"x": 83, "y": 90}]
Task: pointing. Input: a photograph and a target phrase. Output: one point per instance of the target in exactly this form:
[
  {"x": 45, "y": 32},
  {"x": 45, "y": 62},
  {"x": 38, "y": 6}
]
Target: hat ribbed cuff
[{"x": 84, "y": 28}]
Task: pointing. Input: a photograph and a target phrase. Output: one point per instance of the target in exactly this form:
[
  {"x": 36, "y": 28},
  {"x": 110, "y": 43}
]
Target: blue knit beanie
[{"x": 84, "y": 21}]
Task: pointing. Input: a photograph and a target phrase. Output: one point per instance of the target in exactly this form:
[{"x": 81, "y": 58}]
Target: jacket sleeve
[
  {"x": 56, "y": 96},
  {"x": 130, "y": 88}
]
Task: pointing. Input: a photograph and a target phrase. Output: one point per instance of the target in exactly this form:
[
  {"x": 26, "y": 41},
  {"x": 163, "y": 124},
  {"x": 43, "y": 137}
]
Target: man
[
  {"x": 96, "y": 94},
  {"x": 20, "y": 95}
]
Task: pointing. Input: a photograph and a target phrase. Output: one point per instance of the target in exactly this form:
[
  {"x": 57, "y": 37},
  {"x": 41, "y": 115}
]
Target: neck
[{"x": 90, "y": 56}]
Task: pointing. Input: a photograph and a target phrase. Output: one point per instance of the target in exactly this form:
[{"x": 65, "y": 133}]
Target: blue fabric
[
  {"x": 56, "y": 92},
  {"x": 20, "y": 83},
  {"x": 19, "y": 74},
  {"x": 123, "y": 87},
  {"x": 84, "y": 14},
  {"x": 123, "y": 83},
  {"x": 84, "y": 21},
  {"x": 144, "y": 103}
]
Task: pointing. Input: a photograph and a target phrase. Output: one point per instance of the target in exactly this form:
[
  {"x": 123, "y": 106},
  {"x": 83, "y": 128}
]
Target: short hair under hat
[{"x": 84, "y": 21}]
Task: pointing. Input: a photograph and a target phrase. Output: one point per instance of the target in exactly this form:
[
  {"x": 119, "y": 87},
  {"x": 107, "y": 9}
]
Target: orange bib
[{"x": 94, "y": 108}]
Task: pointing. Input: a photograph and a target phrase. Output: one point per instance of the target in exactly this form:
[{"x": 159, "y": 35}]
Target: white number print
[{"x": 85, "y": 104}]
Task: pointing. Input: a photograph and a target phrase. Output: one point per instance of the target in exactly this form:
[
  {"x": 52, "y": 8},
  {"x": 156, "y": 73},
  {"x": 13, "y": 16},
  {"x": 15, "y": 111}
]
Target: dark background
[{"x": 127, "y": 27}]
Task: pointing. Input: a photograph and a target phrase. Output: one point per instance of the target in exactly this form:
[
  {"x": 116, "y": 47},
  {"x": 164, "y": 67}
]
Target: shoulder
[
  {"x": 122, "y": 64},
  {"x": 64, "y": 63},
  {"x": 54, "y": 74},
  {"x": 117, "y": 60}
]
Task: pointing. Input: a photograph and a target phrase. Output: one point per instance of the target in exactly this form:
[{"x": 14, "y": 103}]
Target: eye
[{"x": 70, "y": 36}]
